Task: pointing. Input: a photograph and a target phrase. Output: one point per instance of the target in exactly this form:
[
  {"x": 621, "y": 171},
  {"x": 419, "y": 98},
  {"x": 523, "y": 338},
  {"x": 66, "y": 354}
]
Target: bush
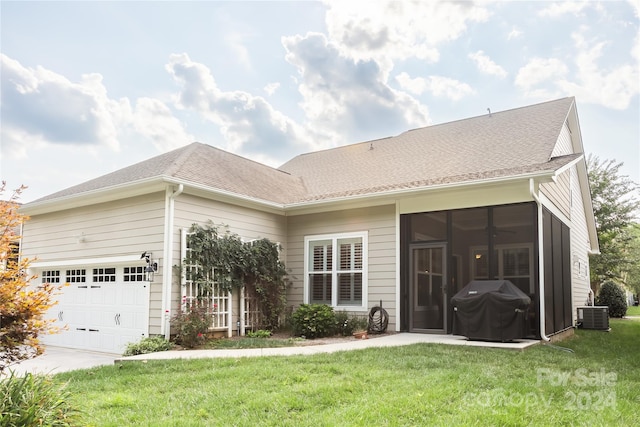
[
  {"x": 192, "y": 326},
  {"x": 347, "y": 325},
  {"x": 612, "y": 295},
  {"x": 147, "y": 345},
  {"x": 35, "y": 400},
  {"x": 314, "y": 321},
  {"x": 260, "y": 333}
]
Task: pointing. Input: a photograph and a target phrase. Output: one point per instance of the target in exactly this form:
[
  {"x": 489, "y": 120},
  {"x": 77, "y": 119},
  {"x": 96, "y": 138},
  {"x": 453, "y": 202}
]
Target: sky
[{"x": 88, "y": 88}]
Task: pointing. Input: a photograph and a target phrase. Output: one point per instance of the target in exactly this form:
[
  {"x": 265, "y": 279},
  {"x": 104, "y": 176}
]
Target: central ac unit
[{"x": 594, "y": 317}]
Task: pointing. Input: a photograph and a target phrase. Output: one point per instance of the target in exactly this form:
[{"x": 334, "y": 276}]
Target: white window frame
[{"x": 335, "y": 253}]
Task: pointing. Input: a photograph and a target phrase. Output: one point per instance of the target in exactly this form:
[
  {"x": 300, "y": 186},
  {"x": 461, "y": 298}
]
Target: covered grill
[{"x": 491, "y": 310}]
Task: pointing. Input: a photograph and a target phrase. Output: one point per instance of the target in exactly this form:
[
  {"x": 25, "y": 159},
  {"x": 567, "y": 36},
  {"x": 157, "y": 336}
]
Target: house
[{"x": 406, "y": 221}]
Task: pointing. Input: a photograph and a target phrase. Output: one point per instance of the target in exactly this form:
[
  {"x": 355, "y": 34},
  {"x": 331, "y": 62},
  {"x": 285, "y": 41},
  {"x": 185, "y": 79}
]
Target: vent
[{"x": 596, "y": 317}]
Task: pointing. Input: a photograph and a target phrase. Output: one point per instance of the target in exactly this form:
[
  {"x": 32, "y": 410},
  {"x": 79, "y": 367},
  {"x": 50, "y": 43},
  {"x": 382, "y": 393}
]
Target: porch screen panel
[
  {"x": 558, "y": 294},
  {"x": 320, "y": 272},
  {"x": 566, "y": 269}
]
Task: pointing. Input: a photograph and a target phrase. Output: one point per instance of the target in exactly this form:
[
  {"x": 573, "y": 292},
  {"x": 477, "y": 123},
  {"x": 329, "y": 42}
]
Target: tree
[
  {"x": 632, "y": 278},
  {"x": 22, "y": 308},
  {"x": 615, "y": 203}
]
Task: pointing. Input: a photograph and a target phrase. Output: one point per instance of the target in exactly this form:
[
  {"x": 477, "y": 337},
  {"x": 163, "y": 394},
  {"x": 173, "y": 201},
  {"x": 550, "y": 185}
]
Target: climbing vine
[{"x": 254, "y": 265}]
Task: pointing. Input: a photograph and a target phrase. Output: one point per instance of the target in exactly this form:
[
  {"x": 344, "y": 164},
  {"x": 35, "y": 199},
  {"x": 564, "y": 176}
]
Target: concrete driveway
[{"x": 57, "y": 359}]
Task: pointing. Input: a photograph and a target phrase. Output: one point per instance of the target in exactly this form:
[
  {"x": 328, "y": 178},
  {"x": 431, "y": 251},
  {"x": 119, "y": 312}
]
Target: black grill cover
[{"x": 491, "y": 310}]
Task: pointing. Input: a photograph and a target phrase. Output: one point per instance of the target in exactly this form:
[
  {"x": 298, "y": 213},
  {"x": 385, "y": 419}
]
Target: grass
[
  {"x": 250, "y": 342},
  {"x": 423, "y": 384},
  {"x": 633, "y": 311}
]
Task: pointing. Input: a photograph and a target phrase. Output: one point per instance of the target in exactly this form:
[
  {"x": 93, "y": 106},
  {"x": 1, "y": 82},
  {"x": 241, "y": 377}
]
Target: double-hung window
[{"x": 336, "y": 270}]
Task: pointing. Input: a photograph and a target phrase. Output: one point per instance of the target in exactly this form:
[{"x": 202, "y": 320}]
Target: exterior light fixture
[{"x": 152, "y": 266}]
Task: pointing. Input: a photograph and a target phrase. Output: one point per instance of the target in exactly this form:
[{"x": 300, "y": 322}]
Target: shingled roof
[
  {"x": 504, "y": 144},
  {"x": 203, "y": 165},
  {"x": 497, "y": 145}
]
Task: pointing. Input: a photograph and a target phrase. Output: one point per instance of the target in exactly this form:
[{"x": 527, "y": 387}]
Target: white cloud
[
  {"x": 153, "y": 119},
  {"x": 514, "y": 34},
  {"x": 539, "y": 70},
  {"x": 40, "y": 105},
  {"x": 385, "y": 31},
  {"x": 346, "y": 100},
  {"x": 612, "y": 87},
  {"x": 560, "y": 8},
  {"x": 486, "y": 65},
  {"x": 236, "y": 40},
  {"x": 436, "y": 85},
  {"x": 271, "y": 88},
  {"x": 249, "y": 124}
]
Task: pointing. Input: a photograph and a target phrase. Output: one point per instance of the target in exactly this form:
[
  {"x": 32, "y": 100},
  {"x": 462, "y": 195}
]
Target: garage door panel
[{"x": 104, "y": 312}]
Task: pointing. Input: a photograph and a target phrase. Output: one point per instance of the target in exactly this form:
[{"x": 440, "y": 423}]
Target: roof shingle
[{"x": 502, "y": 144}]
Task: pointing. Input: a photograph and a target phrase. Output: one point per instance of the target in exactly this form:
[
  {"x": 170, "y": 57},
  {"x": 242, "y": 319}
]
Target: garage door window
[
  {"x": 104, "y": 275},
  {"x": 50, "y": 276},
  {"x": 77, "y": 276},
  {"x": 134, "y": 274}
]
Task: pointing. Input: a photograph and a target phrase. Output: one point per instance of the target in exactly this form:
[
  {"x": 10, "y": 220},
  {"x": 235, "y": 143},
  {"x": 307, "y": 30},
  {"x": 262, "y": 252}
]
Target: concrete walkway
[
  {"x": 57, "y": 359},
  {"x": 392, "y": 340}
]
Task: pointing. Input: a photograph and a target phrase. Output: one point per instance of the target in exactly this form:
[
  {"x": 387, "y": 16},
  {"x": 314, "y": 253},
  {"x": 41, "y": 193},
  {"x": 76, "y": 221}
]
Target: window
[
  {"x": 77, "y": 276},
  {"x": 104, "y": 275},
  {"x": 514, "y": 264},
  {"x": 336, "y": 270},
  {"x": 134, "y": 274},
  {"x": 50, "y": 276}
]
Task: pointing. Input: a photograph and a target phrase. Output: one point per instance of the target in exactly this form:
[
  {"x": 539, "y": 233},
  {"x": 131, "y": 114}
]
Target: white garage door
[{"x": 102, "y": 309}]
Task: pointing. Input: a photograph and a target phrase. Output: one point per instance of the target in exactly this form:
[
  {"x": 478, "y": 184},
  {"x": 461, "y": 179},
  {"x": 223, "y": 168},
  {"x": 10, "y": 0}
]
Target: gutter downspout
[
  {"x": 165, "y": 328},
  {"x": 541, "y": 314}
]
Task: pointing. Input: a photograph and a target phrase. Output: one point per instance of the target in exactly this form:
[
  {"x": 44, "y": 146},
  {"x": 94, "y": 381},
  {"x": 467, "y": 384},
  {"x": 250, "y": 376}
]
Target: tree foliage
[
  {"x": 632, "y": 277},
  {"x": 615, "y": 203},
  {"x": 613, "y": 296},
  {"x": 224, "y": 259},
  {"x": 22, "y": 308}
]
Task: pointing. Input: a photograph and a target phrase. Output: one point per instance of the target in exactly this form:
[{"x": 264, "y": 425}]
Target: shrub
[
  {"x": 192, "y": 326},
  {"x": 260, "y": 333},
  {"x": 612, "y": 295},
  {"x": 314, "y": 321},
  {"x": 347, "y": 325},
  {"x": 148, "y": 345},
  {"x": 35, "y": 400}
]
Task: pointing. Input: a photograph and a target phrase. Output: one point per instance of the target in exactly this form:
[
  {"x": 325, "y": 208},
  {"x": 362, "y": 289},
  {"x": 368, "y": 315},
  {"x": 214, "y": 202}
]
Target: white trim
[
  {"x": 397, "y": 272},
  {"x": 170, "y": 197},
  {"x": 547, "y": 203},
  {"x": 364, "y": 235},
  {"x": 88, "y": 261}
]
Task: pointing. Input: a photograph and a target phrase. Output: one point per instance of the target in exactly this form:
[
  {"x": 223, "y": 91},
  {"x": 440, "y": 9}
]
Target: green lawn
[
  {"x": 633, "y": 311},
  {"x": 597, "y": 384}
]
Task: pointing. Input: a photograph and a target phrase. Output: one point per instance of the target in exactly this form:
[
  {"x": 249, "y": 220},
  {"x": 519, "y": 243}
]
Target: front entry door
[{"x": 428, "y": 288}]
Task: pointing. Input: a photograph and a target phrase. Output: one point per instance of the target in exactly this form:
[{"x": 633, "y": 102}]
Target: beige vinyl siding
[
  {"x": 125, "y": 227},
  {"x": 564, "y": 145},
  {"x": 579, "y": 247},
  {"x": 378, "y": 221},
  {"x": 247, "y": 223},
  {"x": 559, "y": 192},
  {"x": 111, "y": 229}
]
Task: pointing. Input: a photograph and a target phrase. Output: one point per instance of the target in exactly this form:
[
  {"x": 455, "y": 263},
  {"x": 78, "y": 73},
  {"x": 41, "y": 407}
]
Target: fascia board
[
  {"x": 380, "y": 198},
  {"x": 92, "y": 197}
]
